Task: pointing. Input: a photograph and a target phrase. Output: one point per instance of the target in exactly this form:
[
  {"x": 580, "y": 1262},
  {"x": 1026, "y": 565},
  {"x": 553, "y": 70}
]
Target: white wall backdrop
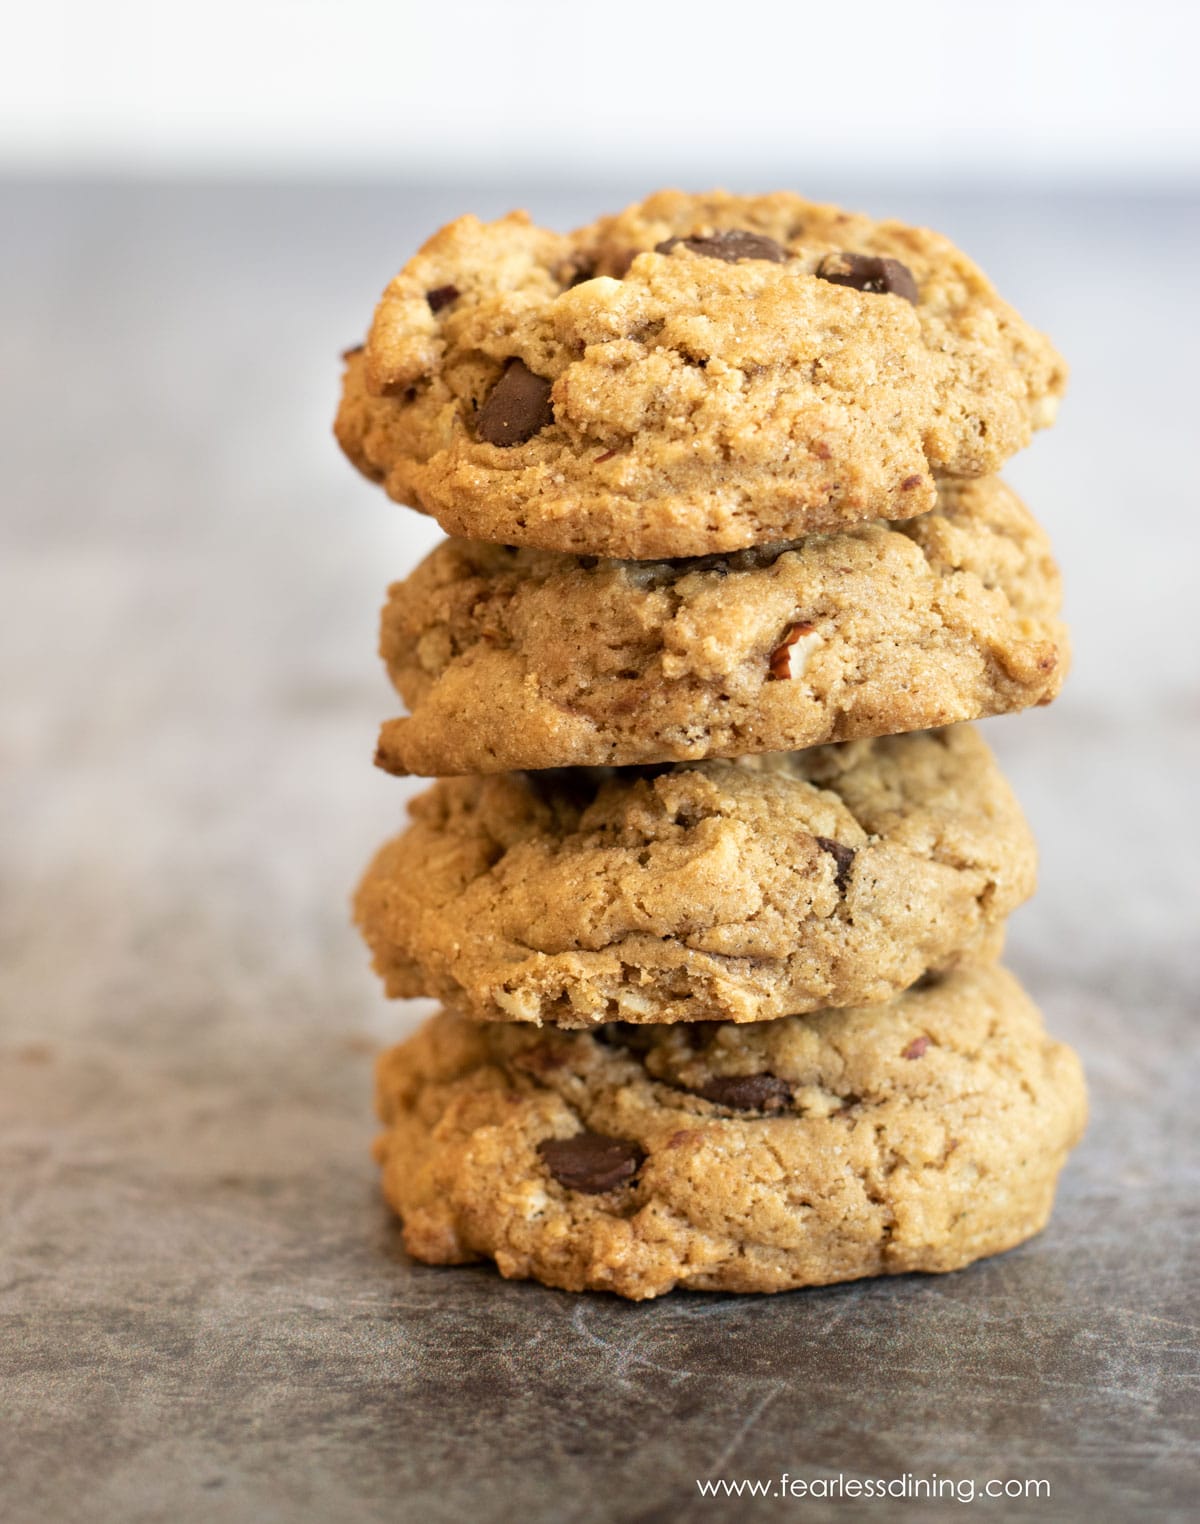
[{"x": 516, "y": 89}]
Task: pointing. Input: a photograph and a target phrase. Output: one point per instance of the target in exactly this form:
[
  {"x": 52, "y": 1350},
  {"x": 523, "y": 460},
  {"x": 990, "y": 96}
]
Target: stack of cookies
[{"x": 714, "y": 880}]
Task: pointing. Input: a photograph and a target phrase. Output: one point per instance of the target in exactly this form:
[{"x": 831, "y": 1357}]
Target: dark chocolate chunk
[
  {"x": 843, "y": 856},
  {"x": 442, "y": 296},
  {"x": 517, "y": 408},
  {"x": 748, "y": 1092},
  {"x": 870, "y": 272},
  {"x": 590, "y": 1162},
  {"x": 731, "y": 244}
]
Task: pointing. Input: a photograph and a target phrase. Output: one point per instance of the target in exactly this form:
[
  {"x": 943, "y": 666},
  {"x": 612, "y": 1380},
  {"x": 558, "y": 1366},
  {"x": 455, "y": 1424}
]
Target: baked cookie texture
[
  {"x": 662, "y": 384},
  {"x": 732, "y": 890},
  {"x": 798, "y": 1152},
  {"x": 518, "y": 658}
]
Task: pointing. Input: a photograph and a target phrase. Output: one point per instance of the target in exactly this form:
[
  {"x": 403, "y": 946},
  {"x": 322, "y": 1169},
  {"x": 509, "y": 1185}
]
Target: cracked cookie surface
[
  {"x": 917, "y": 1136},
  {"x": 733, "y": 890},
  {"x": 659, "y": 385},
  {"x": 511, "y": 658}
]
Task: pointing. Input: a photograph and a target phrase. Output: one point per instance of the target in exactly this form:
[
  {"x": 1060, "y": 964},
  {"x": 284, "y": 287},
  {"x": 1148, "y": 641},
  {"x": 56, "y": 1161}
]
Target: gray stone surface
[{"x": 205, "y": 1313}]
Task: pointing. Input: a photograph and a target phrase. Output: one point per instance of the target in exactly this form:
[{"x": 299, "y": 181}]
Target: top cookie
[{"x": 697, "y": 374}]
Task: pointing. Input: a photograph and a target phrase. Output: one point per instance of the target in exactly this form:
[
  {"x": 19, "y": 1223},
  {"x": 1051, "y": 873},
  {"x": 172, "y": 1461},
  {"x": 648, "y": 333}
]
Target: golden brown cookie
[
  {"x": 731, "y": 890},
  {"x": 696, "y": 375},
  {"x": 919, "y": 1135},
  {"x": 513, "y": 658}
]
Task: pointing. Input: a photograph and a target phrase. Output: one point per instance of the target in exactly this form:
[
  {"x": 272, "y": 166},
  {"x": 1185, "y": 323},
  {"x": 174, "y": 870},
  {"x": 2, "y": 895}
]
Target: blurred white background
[{"x": 1093, "y": 90}]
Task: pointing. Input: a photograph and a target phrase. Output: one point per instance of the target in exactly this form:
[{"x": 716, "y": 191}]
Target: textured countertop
[{"x": 205, "y": 1312}]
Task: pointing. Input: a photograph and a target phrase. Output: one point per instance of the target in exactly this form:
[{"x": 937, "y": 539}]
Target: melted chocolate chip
[
  {"x": 590, "y": 1162},
  {"x": 870, "y": 272},
  {"x": 916, "y": 1048},
  {"x": 843, "y": 856},
  {"x": 442, "y": 296},
  {"x": 748, "y": 1092},
  {"x": 517, "y": 408},
  {"x": 731, "y": 244}
]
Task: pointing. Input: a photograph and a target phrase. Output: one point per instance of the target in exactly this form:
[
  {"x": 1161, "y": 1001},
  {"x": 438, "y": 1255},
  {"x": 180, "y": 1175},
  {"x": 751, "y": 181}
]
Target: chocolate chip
[
  {"x": 731, "y": 244},
  {"x": 843, "y": 856},
  {"x": 916, "y": 1048},
  {"x": 442, "y": 296},
  {"x": 590, "y": 1162},
  {"x": 355, "y": 349},
  {"x": 910, "y": 482},
  {"x": 748, "y": 1092},
  {"x": 869, "y": 272},
  {"x": 517, "y": 408}
]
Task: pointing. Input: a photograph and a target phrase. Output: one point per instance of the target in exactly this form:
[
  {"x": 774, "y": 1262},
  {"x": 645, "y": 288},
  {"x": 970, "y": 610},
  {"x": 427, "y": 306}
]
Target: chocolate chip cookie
[
  {"x": 696, "y": 375},
  {"x": 732, "y": 890},
  {"x": 514, "y": 658},
  {"x": 917, "y": 1136}
]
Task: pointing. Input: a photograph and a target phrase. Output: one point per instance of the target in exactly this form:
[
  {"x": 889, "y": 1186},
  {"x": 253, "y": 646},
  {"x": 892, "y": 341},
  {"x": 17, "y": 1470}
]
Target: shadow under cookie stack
[{"x": 714, "y": 878}]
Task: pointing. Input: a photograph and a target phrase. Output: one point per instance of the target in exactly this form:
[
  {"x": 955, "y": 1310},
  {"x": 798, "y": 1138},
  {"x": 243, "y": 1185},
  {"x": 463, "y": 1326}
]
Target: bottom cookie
[{"x": 917, "y": 1135}]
